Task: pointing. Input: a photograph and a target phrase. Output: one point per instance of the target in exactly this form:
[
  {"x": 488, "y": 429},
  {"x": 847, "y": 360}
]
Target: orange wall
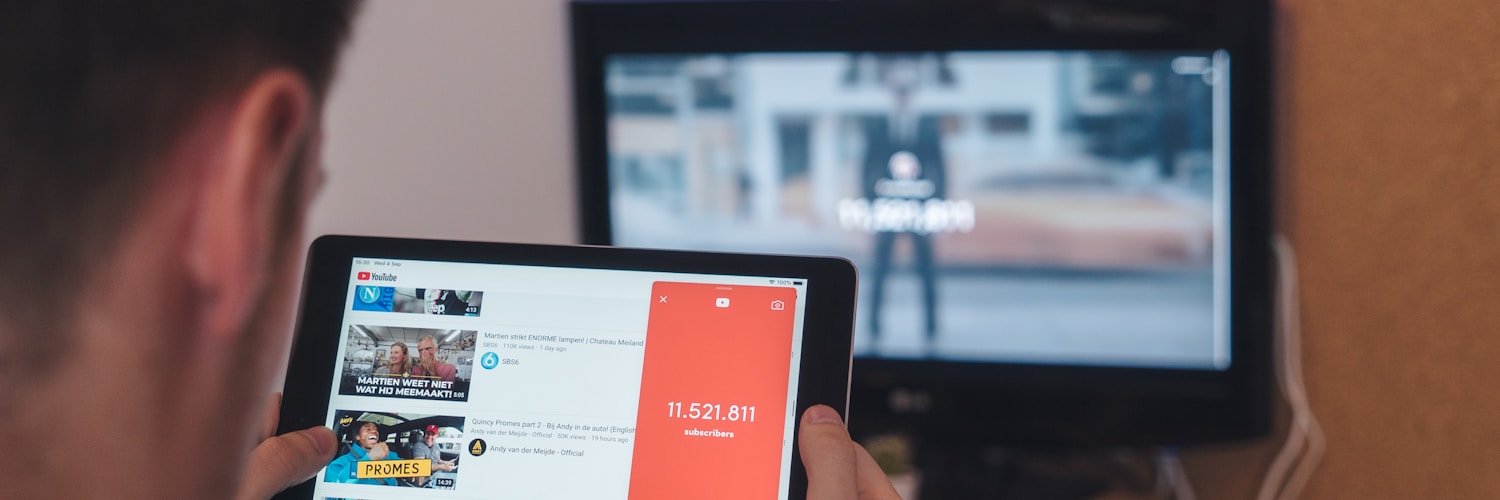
[{"x": 1390, "y": 175}]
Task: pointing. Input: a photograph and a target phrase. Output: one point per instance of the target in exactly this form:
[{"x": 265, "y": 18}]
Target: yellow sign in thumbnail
[{"x": 381, "y": 469}]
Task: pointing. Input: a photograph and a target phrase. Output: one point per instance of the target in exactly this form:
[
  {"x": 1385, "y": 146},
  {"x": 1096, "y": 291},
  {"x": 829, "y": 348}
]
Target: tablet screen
[{"x": 463, "y": 380}]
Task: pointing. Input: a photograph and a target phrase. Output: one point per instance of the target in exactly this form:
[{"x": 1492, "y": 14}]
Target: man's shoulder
[{"x": 341, "y": 462}]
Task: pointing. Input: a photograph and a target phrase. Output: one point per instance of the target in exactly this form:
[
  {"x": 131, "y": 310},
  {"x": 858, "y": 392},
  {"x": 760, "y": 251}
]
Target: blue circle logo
[
  {"x": 369, "y": 294},
  {"x": 489, "y": 361}
]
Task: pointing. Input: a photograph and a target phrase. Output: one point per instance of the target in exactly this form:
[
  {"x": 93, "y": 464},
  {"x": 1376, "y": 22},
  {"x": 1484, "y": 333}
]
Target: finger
[
  {"x": 285, "y": 460},
  {"x": 873, "y": 483},
  {"x": 828, "y": 455}
]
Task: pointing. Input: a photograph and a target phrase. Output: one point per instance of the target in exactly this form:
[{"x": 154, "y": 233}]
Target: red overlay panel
[{"x": 713, "y": 392}]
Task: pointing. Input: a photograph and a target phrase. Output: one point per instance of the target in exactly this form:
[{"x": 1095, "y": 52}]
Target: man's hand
[
  {"x": 837, "y": 467},
  {"x": 282, "y": 461}
]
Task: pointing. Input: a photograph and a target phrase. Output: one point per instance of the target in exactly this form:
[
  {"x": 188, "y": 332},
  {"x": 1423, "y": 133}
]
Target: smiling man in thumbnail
[
  {"x": 366, "y": 445},
  {"x": 427, "y": 448}
]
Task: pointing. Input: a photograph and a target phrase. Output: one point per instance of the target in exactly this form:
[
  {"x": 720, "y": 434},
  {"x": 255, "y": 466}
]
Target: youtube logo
[{"x": 364, "y": 276}]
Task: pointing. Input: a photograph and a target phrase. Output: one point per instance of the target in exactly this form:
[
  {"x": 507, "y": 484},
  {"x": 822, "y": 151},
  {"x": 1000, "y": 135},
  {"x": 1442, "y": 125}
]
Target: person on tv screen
[
  {"x": 157, "y": 163},
  {"x": 903, "y": 164}
]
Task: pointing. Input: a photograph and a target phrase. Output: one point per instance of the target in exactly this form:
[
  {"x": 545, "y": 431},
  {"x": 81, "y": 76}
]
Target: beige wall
[{"x": 452, "y": 120}]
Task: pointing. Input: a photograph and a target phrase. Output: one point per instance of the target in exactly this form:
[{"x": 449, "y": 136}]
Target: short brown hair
[{"x": 93, "y": 93}]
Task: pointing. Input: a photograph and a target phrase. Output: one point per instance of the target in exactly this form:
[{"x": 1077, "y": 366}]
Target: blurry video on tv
[{"x": 1015, "y": 206}]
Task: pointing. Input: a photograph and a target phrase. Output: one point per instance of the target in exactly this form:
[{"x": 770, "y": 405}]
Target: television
[{"x": 1061, "y": 211}]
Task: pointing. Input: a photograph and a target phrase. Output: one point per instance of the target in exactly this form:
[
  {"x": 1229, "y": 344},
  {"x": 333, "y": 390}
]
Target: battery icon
[{"x": 799, "y": 283}]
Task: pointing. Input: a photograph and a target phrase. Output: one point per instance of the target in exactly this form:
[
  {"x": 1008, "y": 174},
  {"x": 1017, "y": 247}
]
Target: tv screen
[
  {"x": 1057, "y": 207},
  {"x": 1060, "y": 211}
]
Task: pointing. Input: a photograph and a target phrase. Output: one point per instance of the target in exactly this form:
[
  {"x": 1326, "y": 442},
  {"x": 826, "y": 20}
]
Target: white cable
[
  {"x": 1305, "y": 430},
  {"x": 1171, "y": 465},
  {"x": 1293, "y": 325}
]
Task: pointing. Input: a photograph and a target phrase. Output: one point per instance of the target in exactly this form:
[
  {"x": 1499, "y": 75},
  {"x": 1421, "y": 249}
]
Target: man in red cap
[{"x": 428, "y": 449}]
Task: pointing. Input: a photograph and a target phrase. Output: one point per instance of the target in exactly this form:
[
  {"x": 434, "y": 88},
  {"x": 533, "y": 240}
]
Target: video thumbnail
[
  {"x": 396, "y": 449},
  {"x": 434, "y": 301},
  {"x": 412, "y": 363}
]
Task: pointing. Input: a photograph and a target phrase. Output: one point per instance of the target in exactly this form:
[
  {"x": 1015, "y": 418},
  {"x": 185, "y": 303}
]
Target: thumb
[
  {"x": 285, "y": 460},
  {"x": 828, "y": 455}
]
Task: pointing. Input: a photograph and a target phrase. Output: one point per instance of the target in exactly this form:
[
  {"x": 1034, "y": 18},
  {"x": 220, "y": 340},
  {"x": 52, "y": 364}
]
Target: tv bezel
[{"x": 997, "y": 403}]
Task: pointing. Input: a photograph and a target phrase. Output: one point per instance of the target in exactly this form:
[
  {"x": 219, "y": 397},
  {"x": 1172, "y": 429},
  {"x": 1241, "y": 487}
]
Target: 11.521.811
[{"x": 711, "y": 411}]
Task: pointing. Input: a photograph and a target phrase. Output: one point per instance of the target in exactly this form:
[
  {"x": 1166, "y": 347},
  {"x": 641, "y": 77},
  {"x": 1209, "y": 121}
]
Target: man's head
[
  {"x": 902, "y": 74},
  {"x": 430, "y": 435},
  {"x": 368, "y": 435},
  {"x": 97, "y": 95},
  {"x": 427, "y": 349},
  {"x": 156, "y": 161}
]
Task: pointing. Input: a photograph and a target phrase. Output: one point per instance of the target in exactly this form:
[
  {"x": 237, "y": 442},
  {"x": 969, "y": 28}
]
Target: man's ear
[{"x": 233, "y": 224}]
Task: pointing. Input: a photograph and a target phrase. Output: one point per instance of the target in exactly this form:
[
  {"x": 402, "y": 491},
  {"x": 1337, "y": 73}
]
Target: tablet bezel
[{"x": 827, "y": 324}]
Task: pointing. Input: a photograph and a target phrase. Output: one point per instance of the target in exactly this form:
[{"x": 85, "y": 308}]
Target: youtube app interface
[{"x": 461, "y": 380}]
